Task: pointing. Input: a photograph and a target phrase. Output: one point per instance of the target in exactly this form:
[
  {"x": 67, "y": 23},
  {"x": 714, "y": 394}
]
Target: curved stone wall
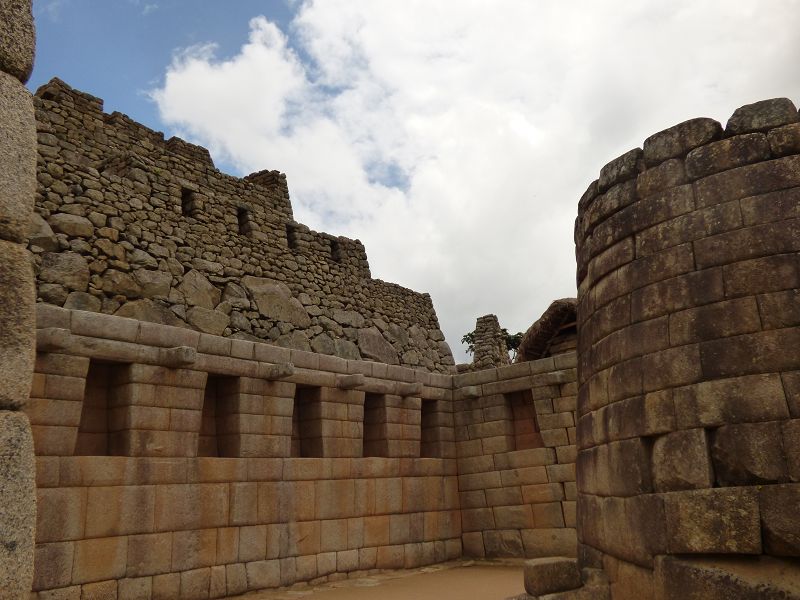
[{"x": 689, "y": 371}]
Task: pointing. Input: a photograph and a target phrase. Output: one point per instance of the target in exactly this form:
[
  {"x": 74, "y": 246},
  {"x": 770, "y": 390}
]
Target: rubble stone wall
[
  {"x": 515, "y": 438},
  {"x": 688, "y": 334},
  {"x": 17, "y": 296},
  {"x": 130, "y": 224}
]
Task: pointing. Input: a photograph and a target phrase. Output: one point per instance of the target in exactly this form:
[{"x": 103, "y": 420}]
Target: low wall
[{"x": 172, "y": 463}]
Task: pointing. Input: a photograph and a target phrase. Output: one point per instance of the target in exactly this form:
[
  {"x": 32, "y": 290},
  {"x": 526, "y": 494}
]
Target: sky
[{"x": 453, "y": 137}]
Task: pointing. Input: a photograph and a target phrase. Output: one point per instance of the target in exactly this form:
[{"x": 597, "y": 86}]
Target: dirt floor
[{"x": 460, "y": 580}]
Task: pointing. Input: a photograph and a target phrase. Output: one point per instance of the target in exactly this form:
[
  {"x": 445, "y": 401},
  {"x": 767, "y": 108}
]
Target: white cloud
[{"x": 454, "y": 137}]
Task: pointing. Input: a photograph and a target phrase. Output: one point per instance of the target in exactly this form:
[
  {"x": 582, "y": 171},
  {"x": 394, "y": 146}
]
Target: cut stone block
[
  {"x": 681, "y": 461},
  {"x": 548, "y": 575}
]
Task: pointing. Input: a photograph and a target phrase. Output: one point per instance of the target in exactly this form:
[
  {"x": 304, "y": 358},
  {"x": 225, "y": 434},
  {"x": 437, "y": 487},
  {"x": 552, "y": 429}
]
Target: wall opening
[
  {"x": 336, "y": 251},
  {"x": 214, "y": 439},
  {"x": 190, "y": 204},
  {"x": 525, "y": 430},
  {"x": 306, "y": 423},
  {"x": 375, "y": 442},
  {"x": 96, "y": 428},
  {"x": 430, "y": 442},
  {"x": 291, "y": 236},
  {"x": 244, "y": 221}
]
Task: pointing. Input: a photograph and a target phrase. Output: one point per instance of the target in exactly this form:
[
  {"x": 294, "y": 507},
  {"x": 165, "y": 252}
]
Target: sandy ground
[{"x": 462, "y": 580}]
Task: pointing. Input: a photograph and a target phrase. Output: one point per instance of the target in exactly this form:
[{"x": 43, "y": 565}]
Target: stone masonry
[
  {"x": 17, "y": 296},
  {"x": 130, "y": 224}
]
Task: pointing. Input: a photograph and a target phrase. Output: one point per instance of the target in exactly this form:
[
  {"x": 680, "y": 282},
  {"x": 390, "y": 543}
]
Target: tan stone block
[
  {"x": 227, "y": 545},
  {"x": 288, "y": 568},
  {"x": 376, "y": 531},
  {"x": 550, "y": 542},
  {"x": 335, "y": 499},
  {"x": 749, "y": 454},
  {"x": 236, "y": 579},
  {"x": 347, "y": 561},
  {"x": 60, "y": 514},
  {"x": 513, "y": 517},
  {"x": 252, "y": 543},
  {"x": 305, "y": 568},
  {"x": 99, "y": 559},
  {"x": 135, "y": 589},
  {"x": 17, "y": 296},
  {"x": 681, "y": 461},
  {"x": 167, "y": 586},
  {"x": 333, "y": 535},
  {"x": 120, "y": 510},
  {"x": 102, "y": 590},
  {"x": 547, "y": 515},
  {"x": 305, "y": 536},
  {"x": 780, "y": 520},
  {"x": 149, "y": 554},
  {"x": 52, "y": 565},
  {"x": 243, "y": 503},
  {"x": 194, "y": 549},
  {"x": 195, "y": 584},
  {"x": 715, "y": 521},
  {"x": 750, "y": 398},
  {"x": 502, "y": 543},
  {"x": 191, "y": 505},
  {"x": 219, "y": 584}
]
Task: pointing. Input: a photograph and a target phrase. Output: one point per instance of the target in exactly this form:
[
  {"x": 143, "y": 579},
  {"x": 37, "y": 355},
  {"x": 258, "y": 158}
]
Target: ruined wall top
[{"x": 129, "y": 223}]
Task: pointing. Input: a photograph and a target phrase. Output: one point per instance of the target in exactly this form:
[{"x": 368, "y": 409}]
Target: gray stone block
[
  {"x": 17, "y": 505},
  {"x": 17, "y": 158},
  {"x": 17, "y": 322},
  {"x": 548, "y": 575},
  {"x": 17, "y": 38},
  {"x": 761, "y": 116}
]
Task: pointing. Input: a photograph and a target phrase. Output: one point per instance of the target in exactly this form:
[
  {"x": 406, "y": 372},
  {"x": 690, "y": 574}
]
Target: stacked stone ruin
[{"x": 221, "y": 400}]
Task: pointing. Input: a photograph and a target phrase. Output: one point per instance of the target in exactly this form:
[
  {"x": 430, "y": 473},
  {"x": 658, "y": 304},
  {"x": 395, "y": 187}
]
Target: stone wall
[
  {"x": 489, "y": 345},
  {"x": 177, "y": 463},
  {"x": 130, "y": 224},
  {"x": 17, "y": 186},
  {"x": 515, "y": 437},
  {"x": 688, "y": 336}
]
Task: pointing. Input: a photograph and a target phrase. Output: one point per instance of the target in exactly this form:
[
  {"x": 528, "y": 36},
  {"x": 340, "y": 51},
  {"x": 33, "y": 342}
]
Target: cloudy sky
[{"x": 453, "y": 137}]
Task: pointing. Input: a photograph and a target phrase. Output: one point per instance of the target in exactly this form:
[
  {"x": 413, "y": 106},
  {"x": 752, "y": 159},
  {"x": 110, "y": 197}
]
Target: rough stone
[
  {"x": 275, "y": 301},
  {"x": 40, "y": 234},
  {"x": 678, "y": 140},
  {"x": 749, "y": 454},
  {"x": 71, "y": 225},
  {"x": 374, "y": 346},
  {"x": 17, "y": 144},
  {"x": 198, "y": 291},
  {"x": 296, "y": 339},
  {"x": 148, "y": 310},
  {"x": 83, "y": 301},
  {"x": 681, "y": 461},
  {"x": 348, "y": 318},
  {"x": 17, "y": 322},
  {"x": 548, "y": 575},
  {"x": 323, "y": 344},
  {"x": 762, "y": 115},
  {"x": 119, "y": 283},
  {"x": 17, "y": 39},
  {"x": 153, "y": 284},
  {"x": 65, "y": 268},
  {"x": 346, "y": 349},
  {"x": 207, "y": 321},
  {"x": 17, "y": 505}
]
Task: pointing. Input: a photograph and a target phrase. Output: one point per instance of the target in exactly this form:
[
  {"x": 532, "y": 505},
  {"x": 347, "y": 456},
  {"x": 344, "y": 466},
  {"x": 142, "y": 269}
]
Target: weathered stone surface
[
  {"x": 346, "y": 349},
  {"x": 83, "y": 301},
  {"x": 275, "y": 301},
  {"x": 120, "y": 283},
  {"x": 71, "y": 225},
  {"x": 780, "y": 519},
  {"x": 714, "y": 521},
  {"x": 207, "y": 321},
  {"x": 323, "y": 344},
  {"x": 69, "y": 269},
  {"x": 761, "y": 116},
  {"x": 620, "y": 169},
  {"x": 548, "y": 575},
  {"x": 722, "y": 578},
  {"x": 373, "y": 345},
  {"x": 17, "y": 38},
  {"x": 52, "y": 293},
  {"x": 679, "y": 139},
  {"x": 348, "y": 318},
  {"x": 236, "y": 296},
  {"x": 198, "y": 291},
  {"x": 681, "y": 461},
  {"x": 296, "y": 339},
  {"x": 749, "y": 454},
  {"x": 147, "y": 310},
  {"x": 40, "y": 234},
  {"x": 17, "y": 149},
  {"x": 727, "y": 154},
  {"x": 17, "y": 504},
  {"x": 153, "y": 284},
  {"x": 17, "y": 323},
  {"x": 140, "y": 258}
]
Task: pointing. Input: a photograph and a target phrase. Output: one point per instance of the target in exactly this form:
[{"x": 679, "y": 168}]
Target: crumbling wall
[
  {"x": 489, "y": 345},
  {"x": 130, "y": 224},
  {"x": 688, "y": 334},
  {"x": 515, "y": 438},
  {"x": 178, "y": 464},
  {"x": 17, "y": 186}
]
